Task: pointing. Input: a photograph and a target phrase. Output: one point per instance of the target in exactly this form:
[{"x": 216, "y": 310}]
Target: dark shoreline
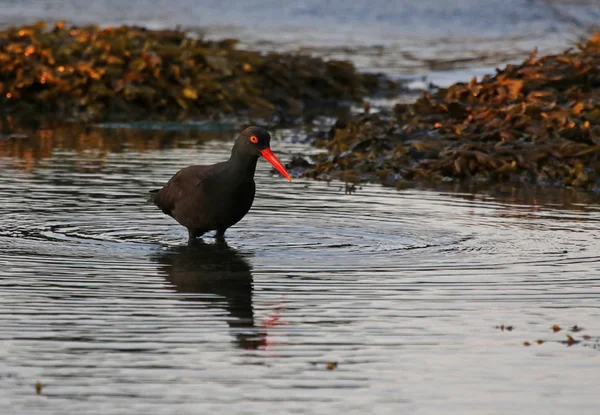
[
  {"x": 132, "y": 73},
  {"x": 537, "y": 122}
]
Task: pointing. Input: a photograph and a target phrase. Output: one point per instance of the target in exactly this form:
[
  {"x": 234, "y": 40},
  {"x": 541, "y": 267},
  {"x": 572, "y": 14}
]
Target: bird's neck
[{"x": 243, "y": 166}]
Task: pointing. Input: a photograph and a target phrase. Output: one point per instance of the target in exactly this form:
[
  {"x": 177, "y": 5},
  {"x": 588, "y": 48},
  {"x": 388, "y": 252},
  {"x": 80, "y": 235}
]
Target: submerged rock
[{"x": 535, "y": 122}]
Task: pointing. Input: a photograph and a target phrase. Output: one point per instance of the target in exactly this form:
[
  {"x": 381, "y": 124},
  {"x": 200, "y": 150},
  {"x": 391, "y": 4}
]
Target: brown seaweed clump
[
  {"x": 534, "y": 122},
  {"x": 131, "y": 72}
]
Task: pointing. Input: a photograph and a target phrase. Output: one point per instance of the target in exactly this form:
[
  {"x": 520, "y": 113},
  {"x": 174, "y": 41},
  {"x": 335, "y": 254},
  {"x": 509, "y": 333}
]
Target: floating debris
[
  {"x": 350, "y": 188},
  {"x": 332, "y": 365},
  {"x": 131, "y": 72},
  {"x": 536, "y": 122},
  {"x": 576, "y": 329},
  {"x": 586, "y": 340},
  {"x": 38, "y": 388},
  {"x": 503, "y": 327},
  {"x": 570, "y": 341}
]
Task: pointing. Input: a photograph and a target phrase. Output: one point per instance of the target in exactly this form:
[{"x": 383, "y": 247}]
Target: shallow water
[
  {"x": 447, "y": 41},
  {"x": 102, "y": 301}
]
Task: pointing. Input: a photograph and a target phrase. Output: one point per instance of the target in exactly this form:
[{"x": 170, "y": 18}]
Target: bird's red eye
[{"x": 254, "y": 139}]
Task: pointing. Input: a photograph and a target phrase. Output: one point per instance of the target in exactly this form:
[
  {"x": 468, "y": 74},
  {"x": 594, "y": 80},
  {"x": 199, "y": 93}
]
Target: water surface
[{"x": 103, "y": 302}]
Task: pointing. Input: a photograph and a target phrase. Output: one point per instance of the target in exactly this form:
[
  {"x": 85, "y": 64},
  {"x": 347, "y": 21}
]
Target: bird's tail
[{"x": 153, "y": 194}]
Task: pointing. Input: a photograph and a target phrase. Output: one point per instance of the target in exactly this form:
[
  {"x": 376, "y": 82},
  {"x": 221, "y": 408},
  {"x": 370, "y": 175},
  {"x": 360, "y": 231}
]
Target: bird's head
[{"x": 256, "y": 141}]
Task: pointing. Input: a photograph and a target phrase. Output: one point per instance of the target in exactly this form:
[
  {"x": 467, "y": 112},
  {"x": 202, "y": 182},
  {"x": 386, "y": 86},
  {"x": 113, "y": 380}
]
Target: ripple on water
[{"x": 103, "y": 301}]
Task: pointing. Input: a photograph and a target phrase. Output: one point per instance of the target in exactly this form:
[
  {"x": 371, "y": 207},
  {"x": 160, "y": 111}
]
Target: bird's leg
[
  {"x": 220, "y": 235},
  {"x": 193, "y": 234}
]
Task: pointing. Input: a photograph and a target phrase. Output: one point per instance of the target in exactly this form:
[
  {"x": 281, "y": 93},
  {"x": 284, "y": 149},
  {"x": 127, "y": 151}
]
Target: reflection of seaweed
[
  {"x": 217, "y": 269},
  {"x": 33, "y": 142}
]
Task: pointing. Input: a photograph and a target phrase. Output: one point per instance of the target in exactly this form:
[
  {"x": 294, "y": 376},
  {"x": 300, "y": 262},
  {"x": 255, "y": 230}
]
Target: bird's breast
[{"x": 233, "y": 202}]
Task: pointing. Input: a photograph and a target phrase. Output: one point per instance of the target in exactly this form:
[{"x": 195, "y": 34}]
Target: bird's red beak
[{"x": 268, "y": 154}]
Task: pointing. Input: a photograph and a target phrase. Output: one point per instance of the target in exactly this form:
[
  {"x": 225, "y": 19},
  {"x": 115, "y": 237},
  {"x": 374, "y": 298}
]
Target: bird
[{"x": 216, "y": 197}]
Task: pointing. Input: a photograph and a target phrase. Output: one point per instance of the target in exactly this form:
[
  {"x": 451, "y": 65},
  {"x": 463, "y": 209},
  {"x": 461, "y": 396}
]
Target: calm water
[
  {"x": 103, "y": 302},
  {"x": 447, "y": 40}
]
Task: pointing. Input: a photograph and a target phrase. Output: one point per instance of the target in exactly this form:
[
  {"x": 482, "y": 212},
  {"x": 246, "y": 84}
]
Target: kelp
[
  {"x": 132, "y": 72},
  {"x": 585, "y": 340},
  {"x": 534, "y": 122}
]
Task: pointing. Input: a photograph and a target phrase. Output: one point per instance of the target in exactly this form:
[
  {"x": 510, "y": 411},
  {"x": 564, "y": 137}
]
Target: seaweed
[
  {"x": 94, "y": 73},
  {"x": 536, "y": 122}
]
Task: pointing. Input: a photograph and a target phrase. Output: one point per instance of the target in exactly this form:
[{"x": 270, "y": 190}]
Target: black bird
[
  {"x": 222, "y": 271},
  {"x": 207, "y": 198}
]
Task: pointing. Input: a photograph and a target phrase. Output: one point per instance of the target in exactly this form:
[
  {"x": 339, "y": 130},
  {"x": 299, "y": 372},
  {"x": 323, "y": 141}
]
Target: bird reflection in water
[{"x": 216, "y": 268}]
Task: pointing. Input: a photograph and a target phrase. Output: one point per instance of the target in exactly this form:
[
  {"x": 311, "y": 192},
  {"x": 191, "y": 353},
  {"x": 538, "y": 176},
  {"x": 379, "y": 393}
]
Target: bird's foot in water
[
  {"x": 193, "y": 235},
  {"x": 220, "y": 236}
]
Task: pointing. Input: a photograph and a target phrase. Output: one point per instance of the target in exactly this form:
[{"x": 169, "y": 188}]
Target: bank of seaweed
[
  {"x": 132, "y": 72},
  {"x": 533, "y": 122}
]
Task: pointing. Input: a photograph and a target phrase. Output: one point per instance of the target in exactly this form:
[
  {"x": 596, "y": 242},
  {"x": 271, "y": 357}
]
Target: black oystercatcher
[{"x": 207, "y": 198}]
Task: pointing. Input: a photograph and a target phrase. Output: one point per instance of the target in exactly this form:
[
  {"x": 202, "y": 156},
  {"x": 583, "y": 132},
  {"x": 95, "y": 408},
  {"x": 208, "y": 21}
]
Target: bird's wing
[{"x": 185, "y": 182}]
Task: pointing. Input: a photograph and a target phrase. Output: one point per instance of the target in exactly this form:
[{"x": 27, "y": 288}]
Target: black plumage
[{"x": 216, "y": 197}]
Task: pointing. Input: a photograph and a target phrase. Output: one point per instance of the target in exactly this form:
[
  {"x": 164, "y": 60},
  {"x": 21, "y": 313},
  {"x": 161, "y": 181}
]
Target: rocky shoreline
[
  {"x": 114, "y": 73},
  {"x": 537, "y": 122}
]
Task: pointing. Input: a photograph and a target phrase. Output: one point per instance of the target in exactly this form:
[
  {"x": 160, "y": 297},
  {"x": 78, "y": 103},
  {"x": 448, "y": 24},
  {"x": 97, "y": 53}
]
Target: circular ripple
[{"x": 101, "y": 296}]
